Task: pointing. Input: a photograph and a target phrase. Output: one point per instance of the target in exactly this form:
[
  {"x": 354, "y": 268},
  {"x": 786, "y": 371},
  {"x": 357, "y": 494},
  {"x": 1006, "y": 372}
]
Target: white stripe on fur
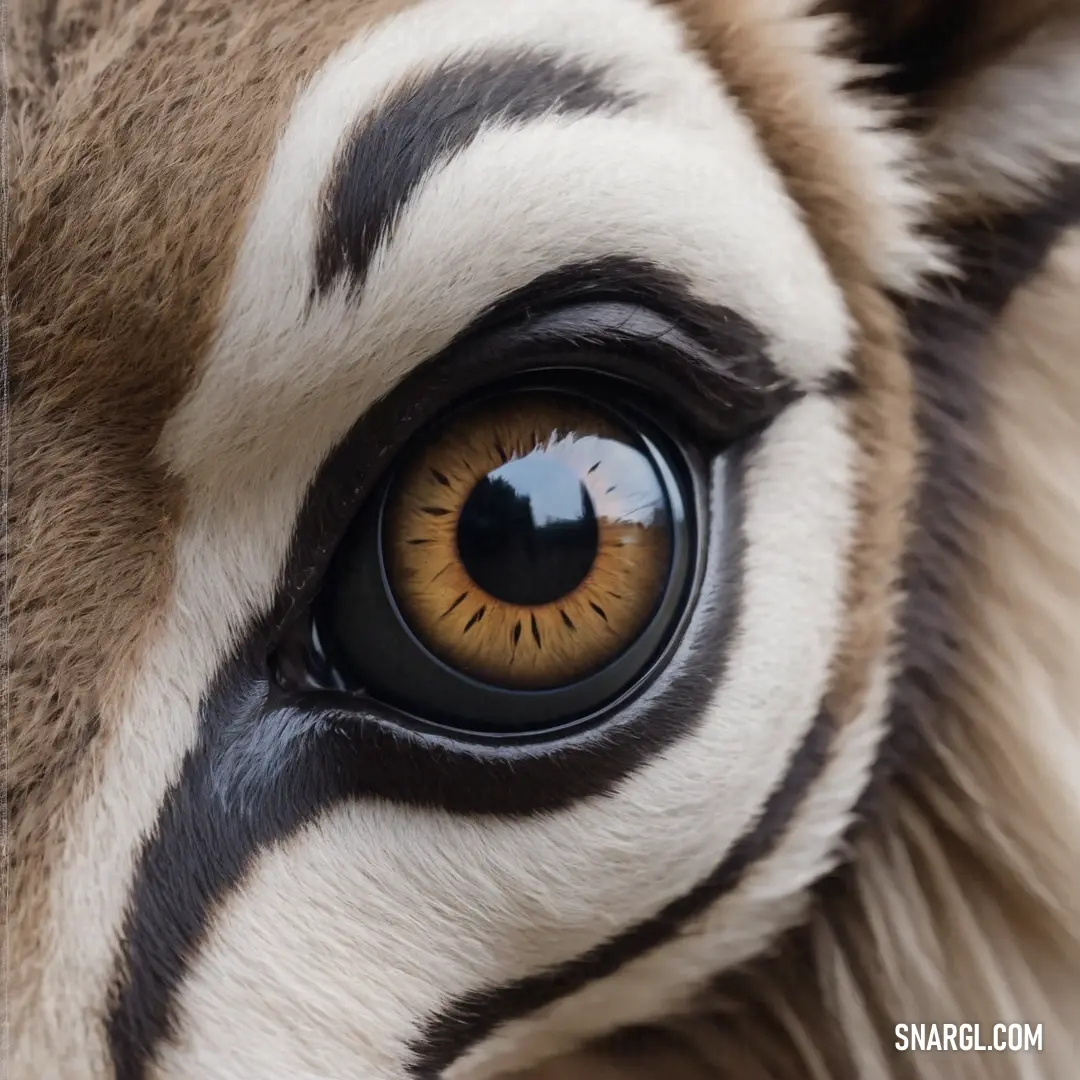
[
  {"x": 771, "y": 898},
  {"x": 698, "y": 197}
]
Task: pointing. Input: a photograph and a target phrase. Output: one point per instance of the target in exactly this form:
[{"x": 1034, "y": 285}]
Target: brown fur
[
  {"x": 125, "y": 229},
  {"x": 110, "y": 319}
]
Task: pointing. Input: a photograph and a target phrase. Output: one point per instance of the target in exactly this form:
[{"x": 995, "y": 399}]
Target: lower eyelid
[{"x": 375, "y": 749}]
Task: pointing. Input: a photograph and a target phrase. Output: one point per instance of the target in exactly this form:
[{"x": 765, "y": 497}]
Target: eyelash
[{"x": 701, "y": 406}]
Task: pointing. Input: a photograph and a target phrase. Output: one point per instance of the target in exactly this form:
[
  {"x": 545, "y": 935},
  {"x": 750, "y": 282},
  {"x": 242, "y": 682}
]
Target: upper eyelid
[
  {"x": 720, "y": 395},
  {"x": 712, "y": 361},
  {"x": 614, "y": 321},
  {"x": 737, "y": 362},
  {"x": 713, "y": 357}
]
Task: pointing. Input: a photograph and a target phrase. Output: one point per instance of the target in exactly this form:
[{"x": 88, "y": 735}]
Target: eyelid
[
  {"x": 705, "y": 359},
  {"x": 726, "y": 387}
]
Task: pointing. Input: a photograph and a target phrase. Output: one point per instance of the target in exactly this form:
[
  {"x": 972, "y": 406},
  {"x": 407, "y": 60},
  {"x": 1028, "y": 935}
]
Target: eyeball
[{"x": 523, "y": 565}]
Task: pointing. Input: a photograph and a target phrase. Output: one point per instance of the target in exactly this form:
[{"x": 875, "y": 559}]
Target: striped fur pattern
[{"x": 254, "y": 246}]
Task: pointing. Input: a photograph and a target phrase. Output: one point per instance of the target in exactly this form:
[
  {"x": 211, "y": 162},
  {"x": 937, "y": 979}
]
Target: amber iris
[{"x": 528, "y": 543}]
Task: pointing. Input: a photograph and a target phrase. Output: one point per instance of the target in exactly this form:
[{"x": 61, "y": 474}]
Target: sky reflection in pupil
[{"x": 527, "y": 533}]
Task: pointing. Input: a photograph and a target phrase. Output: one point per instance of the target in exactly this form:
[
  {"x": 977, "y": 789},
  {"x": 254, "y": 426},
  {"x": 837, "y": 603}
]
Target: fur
[{"x": 154, "y": 503}]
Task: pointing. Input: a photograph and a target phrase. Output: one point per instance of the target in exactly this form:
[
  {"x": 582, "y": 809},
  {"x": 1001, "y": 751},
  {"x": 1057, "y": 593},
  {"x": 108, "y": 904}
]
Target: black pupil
[{"x": 527, "y": 533}]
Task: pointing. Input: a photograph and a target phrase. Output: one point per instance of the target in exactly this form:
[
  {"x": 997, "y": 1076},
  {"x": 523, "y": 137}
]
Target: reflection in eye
[{"x": 529, "y": 542}]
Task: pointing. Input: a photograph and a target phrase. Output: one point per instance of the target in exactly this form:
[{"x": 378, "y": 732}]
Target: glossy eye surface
[
  {"x": 530, "y": 542},
  {"x": 522, "y": 566}
]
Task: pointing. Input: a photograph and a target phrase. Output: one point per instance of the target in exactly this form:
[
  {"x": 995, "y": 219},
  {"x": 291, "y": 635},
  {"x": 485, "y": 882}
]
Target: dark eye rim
[{"x": 540, "y": 715}]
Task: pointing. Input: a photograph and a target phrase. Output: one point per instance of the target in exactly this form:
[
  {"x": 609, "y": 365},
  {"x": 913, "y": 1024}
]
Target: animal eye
[
  {"x": 522, "y": 566},
  {"x": 529, "y": 542}
]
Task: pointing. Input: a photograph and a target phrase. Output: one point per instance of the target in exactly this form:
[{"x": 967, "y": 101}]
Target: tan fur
[
  {"x": 124, "y": 233},
  {"x": 760, "y": 50},
  {"x": 962, "y": 902}
]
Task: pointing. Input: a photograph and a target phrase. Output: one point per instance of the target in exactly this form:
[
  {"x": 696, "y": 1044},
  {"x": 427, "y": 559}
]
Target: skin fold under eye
[{"x": 529, "y": 542}]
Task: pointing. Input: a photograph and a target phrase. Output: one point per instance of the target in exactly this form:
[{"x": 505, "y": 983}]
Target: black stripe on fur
[
  {"x": 268, "y": 761},
  {"x": 477, "y": 1015},
  {"x": 426, "y": 122}
]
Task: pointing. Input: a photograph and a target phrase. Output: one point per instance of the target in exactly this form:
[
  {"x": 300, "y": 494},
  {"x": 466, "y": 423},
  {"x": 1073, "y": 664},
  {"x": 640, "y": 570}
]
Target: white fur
[
  {"x": 770, "y": 898},
  {"x": 518, "y": 202},
  {"x": 878, "y": 158}
]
